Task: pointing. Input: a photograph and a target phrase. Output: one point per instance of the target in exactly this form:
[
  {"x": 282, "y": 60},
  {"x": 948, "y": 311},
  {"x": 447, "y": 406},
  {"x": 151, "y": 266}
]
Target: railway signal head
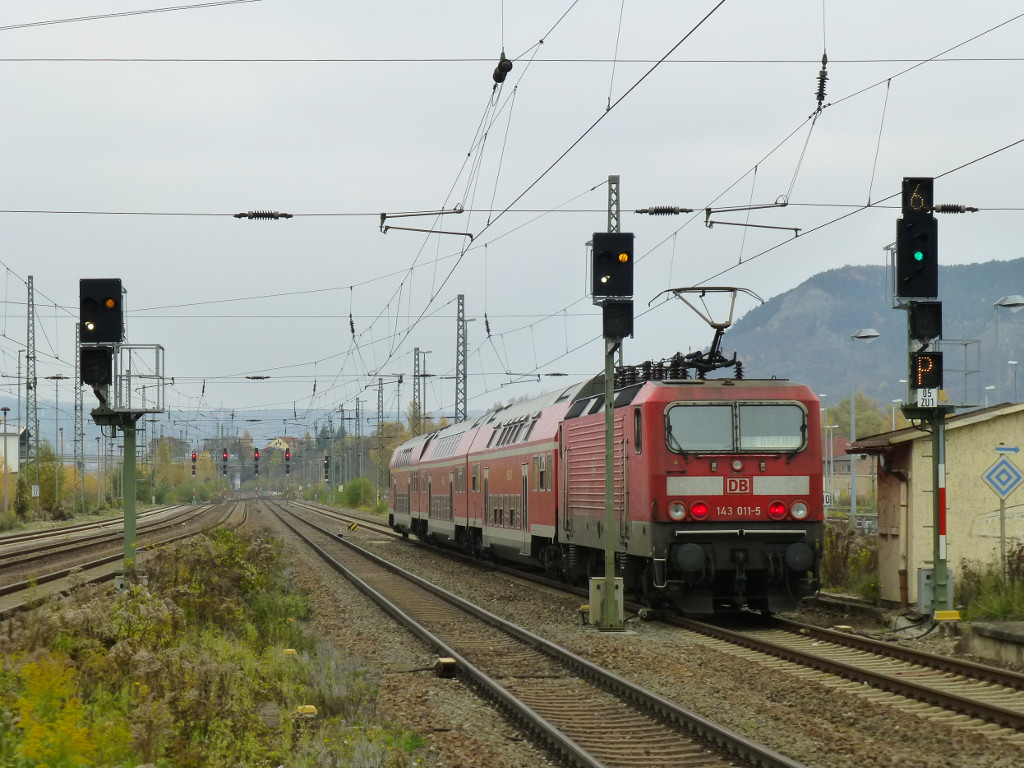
[
  {"x": 925, "y": 320},
  {"x": 96, "y": 365},
  {"x": 917, "y": 258},
  {"x": 327, "y": 468},
  {"x": 926, "y": 370},
  {"x": 256, "y": 454},
  {"x": 193, "y": 457},
  {"x": 612, "y": 265},
  {"x": 287, "y": 454},
  {"x": 101, "y": 314}
]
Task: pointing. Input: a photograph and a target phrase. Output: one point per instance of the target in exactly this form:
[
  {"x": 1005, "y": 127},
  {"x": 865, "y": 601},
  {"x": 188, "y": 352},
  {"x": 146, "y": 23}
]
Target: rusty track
[{"x": 63, "y": 573}]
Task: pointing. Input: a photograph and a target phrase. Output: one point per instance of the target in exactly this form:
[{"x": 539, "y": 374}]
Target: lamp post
[
  {"x": 60, "y": 462},
  {"x": 897, "y": 401},
  {"x": 1014, "y": 303},
  {"x": 57, "y": 466},
  {"x": 99, "y": 476},
  {"x": 868, "y": 335},
  {"x": 988, "y": 389},
  {"x": 1014, "y": 364},
  {"x": 5, "y": 410}
]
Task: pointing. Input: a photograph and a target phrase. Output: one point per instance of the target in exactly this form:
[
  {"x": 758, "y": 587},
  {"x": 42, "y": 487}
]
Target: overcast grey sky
[{"x": 335, "y": 112}]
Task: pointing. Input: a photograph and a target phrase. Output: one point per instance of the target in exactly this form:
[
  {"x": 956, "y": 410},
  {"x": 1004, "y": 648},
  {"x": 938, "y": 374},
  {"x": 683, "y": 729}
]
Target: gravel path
[{"x": 829, "y": 723}]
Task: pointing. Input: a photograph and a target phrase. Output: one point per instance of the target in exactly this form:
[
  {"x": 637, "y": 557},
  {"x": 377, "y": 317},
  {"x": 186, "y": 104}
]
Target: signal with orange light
[
  {"x": 101, "y": 314},
  {"x": 612, "y": 265}
]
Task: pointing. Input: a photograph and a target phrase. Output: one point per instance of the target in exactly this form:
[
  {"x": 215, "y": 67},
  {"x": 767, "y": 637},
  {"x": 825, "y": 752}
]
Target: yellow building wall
[{"x": 972, "y": 507}]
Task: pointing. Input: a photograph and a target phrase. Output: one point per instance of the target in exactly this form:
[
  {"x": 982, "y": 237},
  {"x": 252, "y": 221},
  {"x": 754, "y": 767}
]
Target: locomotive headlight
[
  {"x": 699, "y": 510},
  {"x": 676, "y": 511},
  {"x": 799, "y": 510},
  {"x": 737, "y": 465},
  {"x": 776, "y": 510}
]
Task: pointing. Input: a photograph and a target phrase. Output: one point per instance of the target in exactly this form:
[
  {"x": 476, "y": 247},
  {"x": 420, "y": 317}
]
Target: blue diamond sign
[{"x": 1003, "y": 477}]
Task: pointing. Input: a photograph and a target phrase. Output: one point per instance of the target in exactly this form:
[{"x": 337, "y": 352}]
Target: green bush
[
  {"x": 358, "y": 493},
  {"x": 850, "y": 561},
  {"x": 980, "y": 591},
  {"x": 183, "y": 673}
]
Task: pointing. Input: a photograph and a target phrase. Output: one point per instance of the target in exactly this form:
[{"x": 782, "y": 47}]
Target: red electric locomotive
[
  {"x": 718, "y": 485},
  {"x": 718, "y": 489}
]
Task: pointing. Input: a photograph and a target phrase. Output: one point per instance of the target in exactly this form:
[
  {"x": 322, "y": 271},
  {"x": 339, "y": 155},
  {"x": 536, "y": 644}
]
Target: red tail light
[
  {"x": 699, "y": 510},
  {"x": 776, "y": 510}
]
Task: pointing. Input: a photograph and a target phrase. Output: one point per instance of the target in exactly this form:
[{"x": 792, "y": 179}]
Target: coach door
[{"x": 524, "y": 512}]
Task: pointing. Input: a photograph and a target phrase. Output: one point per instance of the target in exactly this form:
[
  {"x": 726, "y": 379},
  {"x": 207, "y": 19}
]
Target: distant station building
[{"x": 903, "y": 468}]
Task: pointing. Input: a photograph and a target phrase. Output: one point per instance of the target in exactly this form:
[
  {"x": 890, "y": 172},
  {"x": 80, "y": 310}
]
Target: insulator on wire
[
  {"x": 663, "y": 210},
  {"x": 263, "y": 215},
  {"x": 487, "y": 325},
  {"x": 822, "y": 78},
  {"x": 351, "y": 325},
  {"x": 954, "y": 208},
  {"x": 503, "y": 68}
]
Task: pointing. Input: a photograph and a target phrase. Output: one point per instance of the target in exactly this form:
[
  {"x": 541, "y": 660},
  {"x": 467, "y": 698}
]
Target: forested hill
[{"x": 805, "y": 334}]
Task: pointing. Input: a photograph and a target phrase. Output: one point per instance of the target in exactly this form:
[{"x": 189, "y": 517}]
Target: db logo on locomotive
[{"x": 737, "y": 485}]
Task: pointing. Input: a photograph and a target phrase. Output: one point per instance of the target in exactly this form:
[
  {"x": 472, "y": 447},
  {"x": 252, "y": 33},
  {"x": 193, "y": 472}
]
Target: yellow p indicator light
[{"x": 623, "y": 257}]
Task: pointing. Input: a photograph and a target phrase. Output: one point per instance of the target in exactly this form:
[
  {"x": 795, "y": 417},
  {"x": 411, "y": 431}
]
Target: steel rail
[{"x": 730, "y": 743}]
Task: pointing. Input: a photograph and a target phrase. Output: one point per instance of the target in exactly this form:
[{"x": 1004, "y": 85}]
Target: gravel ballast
[{"x": 819, "y": 720}]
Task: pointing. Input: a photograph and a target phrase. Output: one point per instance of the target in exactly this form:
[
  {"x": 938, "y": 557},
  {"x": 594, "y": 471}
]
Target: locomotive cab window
[
  {"x": 765, "y": 427},
  {"x": 730, "y": 427},
  {"x": 699, "y": 428}
]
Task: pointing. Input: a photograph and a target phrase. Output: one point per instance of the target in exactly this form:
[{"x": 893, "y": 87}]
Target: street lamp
[
  {"x": 899, "y": 401},
  {"x": 5, "y": 410},
  {"x": 988, "y": 389},
  {"x": 58, "y": 466},
  {"x": 99, "y": 476},
  {"x": 1014, "y": 303},
  {"x": 868, "y": 335},
  {"x": 830, "y": 456},
  {"x": 1014, "y": 364}
]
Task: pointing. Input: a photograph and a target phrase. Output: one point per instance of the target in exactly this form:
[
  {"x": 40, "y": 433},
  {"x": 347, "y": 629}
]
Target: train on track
[{"x": 717, "y": 485}]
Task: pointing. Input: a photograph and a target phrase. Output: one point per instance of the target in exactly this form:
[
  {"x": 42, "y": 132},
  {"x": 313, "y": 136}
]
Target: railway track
[
  {"x": 18, "y": 595},
  {"x": 977, "y": 694},
  {"x": 30, "y": 553},
  {"x": 985, "y": 694},
  {"x": 9, "y": 540},
  {"x": 574, "y": 707}
]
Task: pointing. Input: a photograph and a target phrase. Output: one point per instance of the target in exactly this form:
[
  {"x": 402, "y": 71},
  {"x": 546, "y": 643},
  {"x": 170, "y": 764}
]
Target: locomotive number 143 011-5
[{"x": 739, "y": 511}]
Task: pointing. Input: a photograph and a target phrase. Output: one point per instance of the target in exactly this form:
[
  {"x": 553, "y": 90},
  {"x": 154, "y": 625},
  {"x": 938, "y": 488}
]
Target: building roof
[{"x": 882, "y": 442}]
